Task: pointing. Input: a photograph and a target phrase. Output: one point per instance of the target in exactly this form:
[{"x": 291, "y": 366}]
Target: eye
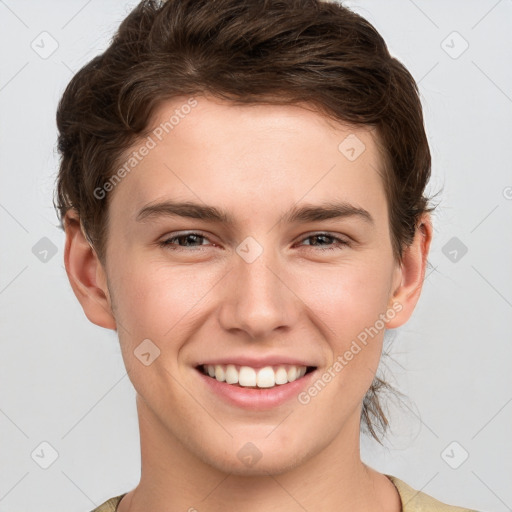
[
  {"x": 340, "y": 243},
  {"x": 185, "y": 238}
]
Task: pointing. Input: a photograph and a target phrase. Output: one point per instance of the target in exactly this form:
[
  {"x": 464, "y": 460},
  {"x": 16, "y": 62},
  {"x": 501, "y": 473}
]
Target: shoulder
[
  {"x": 109, "y": 505},
  {"x": 417, "y": 501}
]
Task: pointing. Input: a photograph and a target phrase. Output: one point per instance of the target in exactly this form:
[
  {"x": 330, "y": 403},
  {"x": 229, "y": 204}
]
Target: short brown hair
[{"x": 245, "y": 51}]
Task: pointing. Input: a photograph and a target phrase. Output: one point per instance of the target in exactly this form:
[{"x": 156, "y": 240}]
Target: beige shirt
[{"x": 412, "y": 501}]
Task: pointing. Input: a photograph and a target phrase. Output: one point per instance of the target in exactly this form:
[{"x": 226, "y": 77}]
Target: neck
[{"x": 334, "y": 480}]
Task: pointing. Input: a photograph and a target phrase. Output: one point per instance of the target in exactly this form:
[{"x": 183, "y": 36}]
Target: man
[{"x": 242, "y": 187}]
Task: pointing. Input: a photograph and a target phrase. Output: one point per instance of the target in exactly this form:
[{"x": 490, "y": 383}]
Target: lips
[{"x": 263, "y": 396}]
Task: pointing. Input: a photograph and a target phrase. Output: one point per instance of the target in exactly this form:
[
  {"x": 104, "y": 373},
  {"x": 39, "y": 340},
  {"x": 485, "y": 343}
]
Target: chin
[
  {"x": 261, "y": 468},
  {"x": 249, "y": 460}
]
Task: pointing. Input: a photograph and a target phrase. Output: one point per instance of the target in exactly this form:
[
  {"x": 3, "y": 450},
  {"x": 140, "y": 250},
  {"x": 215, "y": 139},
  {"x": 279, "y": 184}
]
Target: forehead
[
  {"x": 204, "y": 121},
  {"x": 253, "y": 157}
]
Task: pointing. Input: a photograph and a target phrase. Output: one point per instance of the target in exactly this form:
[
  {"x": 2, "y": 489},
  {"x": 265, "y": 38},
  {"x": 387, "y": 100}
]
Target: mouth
[{"x": 267, "y": 377}]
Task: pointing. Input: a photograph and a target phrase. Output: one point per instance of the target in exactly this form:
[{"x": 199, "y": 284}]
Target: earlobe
[
  {"x": 411, "y": 273},
  {"x": 86, "y": 274}
]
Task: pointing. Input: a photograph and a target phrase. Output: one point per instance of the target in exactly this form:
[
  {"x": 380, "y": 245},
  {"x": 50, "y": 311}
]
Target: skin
[{"x": 256, "y": 162}]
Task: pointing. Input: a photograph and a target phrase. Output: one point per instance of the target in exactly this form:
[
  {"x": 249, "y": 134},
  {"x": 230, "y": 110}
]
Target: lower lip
[{"x": 257, "y": 399}]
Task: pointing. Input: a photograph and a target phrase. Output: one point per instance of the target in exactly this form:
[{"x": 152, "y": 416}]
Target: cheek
[
  {"x": 347, "y": 298},
  {"x": 155, "y": 299},
  {"x": 156, "y": 302}
]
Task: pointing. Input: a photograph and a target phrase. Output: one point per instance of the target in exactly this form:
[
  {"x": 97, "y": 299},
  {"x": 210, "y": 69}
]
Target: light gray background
[{"x": 63, "y": 379}]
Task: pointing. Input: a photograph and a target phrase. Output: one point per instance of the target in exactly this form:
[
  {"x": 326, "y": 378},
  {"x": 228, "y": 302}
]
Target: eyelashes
[
  {"x": 338, "y": 245},
  {"x": 169, "y": 244}
]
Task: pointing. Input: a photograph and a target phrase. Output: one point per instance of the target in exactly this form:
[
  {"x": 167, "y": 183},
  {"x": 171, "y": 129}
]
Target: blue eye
[{"x": 192, "y": 237}]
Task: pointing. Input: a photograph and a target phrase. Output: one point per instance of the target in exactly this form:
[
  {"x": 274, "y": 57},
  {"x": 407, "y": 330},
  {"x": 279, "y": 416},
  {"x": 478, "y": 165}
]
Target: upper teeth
[{"x": 246, "y": 376}]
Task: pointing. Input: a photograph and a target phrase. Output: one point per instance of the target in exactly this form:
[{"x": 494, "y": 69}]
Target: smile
[{"x": 248, "y": 377}]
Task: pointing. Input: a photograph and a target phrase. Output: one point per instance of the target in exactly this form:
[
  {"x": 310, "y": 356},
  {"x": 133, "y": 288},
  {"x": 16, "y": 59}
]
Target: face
[{"x": 283, "y": 266}]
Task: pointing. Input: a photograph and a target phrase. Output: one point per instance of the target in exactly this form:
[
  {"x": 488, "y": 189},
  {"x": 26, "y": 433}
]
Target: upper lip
[{"x": 258, "y": 362}]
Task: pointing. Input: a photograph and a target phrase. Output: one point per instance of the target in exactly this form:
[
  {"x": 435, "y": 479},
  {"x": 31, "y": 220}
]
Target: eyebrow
[{"x": 302, "y": 214}]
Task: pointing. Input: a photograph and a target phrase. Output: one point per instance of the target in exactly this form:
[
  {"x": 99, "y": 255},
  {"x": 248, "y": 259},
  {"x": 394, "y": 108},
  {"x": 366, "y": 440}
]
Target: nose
[{"x": 259, "y": 297}]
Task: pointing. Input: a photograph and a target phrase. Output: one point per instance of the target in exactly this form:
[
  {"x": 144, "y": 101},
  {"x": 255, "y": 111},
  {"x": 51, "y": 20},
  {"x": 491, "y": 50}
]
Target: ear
[
  {"x": 86, "y": 274},
  {"x": 409, "y": 276}
]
